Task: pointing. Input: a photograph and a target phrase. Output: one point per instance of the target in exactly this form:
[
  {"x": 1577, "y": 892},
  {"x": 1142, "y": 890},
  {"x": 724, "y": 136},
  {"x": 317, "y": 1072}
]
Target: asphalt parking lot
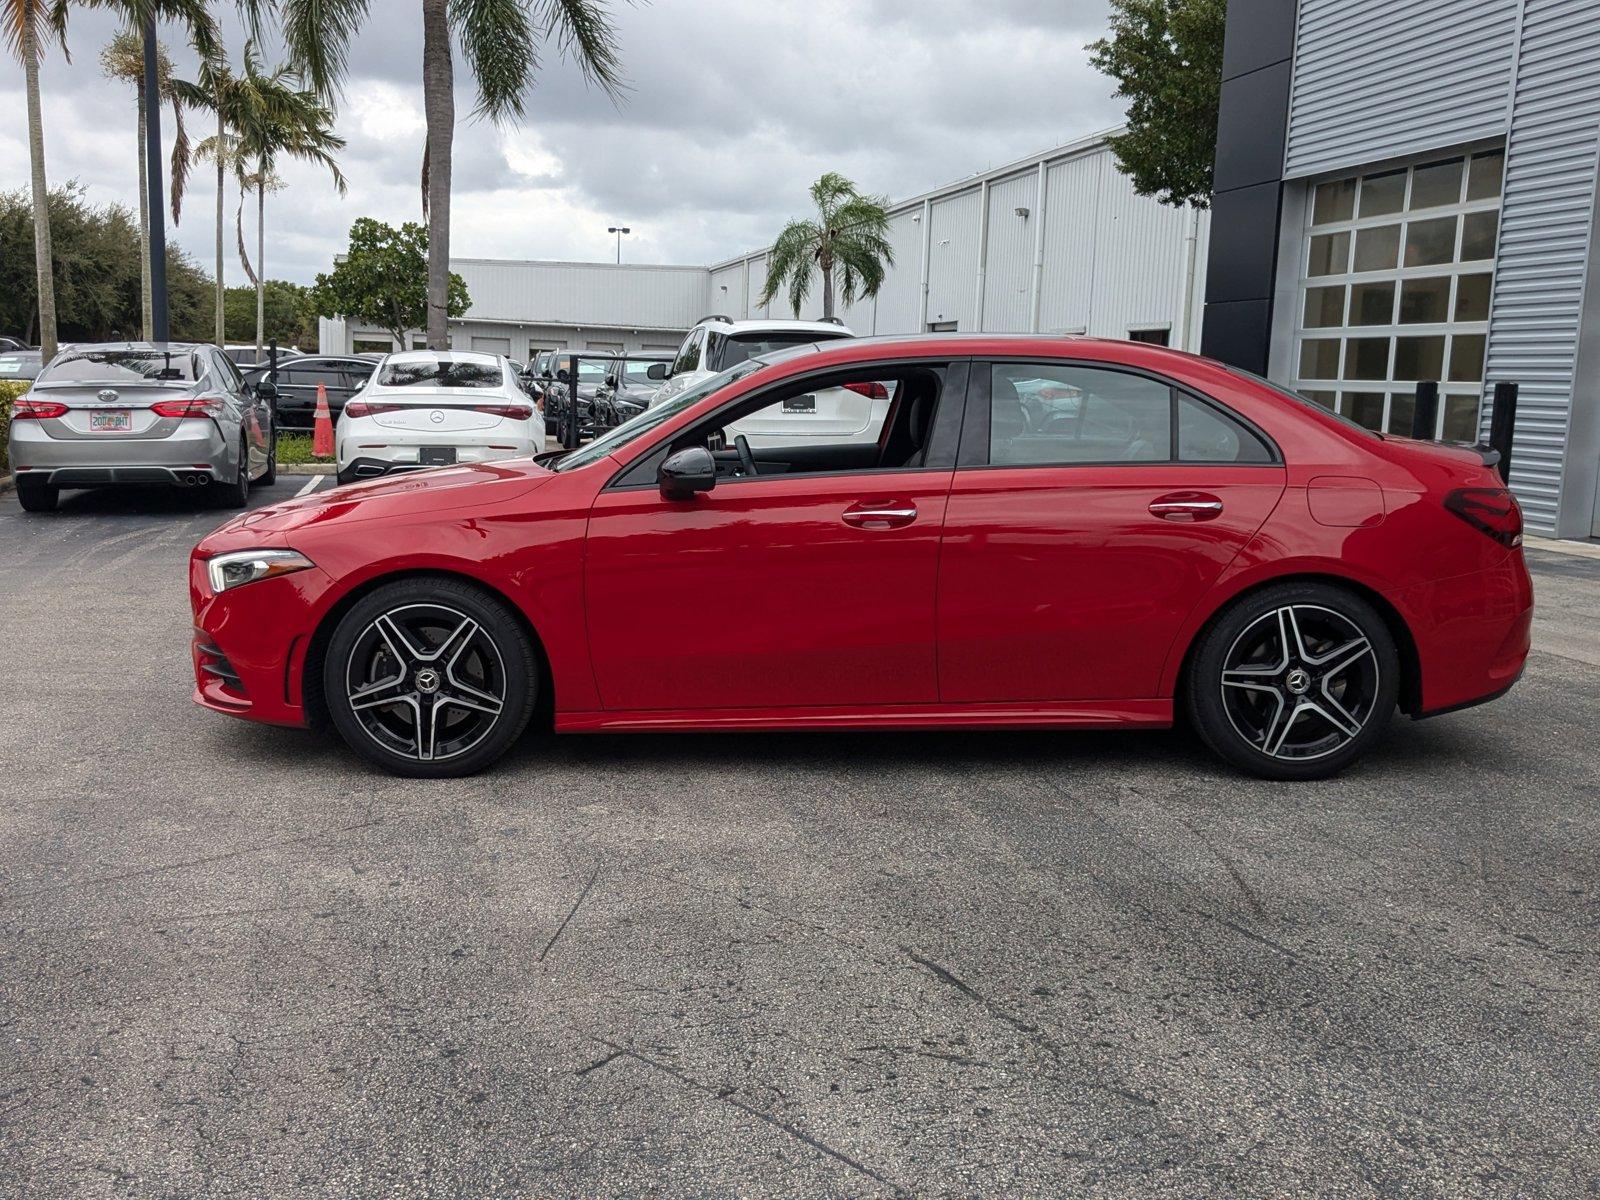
[{"x": 235, "y": 962}]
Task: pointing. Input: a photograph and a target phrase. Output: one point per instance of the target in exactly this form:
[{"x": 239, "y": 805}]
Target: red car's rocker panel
[{"x": 916, "y": 584}]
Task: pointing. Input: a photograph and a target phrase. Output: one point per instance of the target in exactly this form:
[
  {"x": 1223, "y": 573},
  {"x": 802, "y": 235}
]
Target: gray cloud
[{"x": 733, "y": 109}]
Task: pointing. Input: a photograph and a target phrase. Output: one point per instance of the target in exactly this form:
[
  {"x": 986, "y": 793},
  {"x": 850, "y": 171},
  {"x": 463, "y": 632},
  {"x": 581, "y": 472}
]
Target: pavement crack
[
  {"x": 778, "y": 1123},
  {"x": 560, "y": 929}
]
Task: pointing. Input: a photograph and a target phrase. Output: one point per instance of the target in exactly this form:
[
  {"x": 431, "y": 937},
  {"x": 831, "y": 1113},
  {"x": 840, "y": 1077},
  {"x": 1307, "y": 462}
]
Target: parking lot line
[{"x": 310, "y": 486}]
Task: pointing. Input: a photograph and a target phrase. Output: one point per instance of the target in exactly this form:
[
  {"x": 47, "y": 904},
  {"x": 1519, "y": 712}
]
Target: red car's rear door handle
[
  {"x": 880, "y": 514},
  {"x": 1186, "y": 506}
]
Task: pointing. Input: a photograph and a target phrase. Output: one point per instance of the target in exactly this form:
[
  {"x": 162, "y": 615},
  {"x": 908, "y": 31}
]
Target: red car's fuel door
[{"x": 1092, "y": 510}]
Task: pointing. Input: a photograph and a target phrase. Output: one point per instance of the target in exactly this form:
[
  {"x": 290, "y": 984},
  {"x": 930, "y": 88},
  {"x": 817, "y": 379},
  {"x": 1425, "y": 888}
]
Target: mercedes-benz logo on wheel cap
[{"x": 1298, "y": 681}]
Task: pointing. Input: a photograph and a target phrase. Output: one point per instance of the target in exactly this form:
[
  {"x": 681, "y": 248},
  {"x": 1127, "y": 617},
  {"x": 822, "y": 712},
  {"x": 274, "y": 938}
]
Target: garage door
[{"x": 492, "y": 345}]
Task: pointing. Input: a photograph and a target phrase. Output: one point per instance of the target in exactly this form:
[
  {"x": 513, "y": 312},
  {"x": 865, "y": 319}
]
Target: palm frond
[
  {"x": 317, "y": 35},
  {"x": 583, "y": 32},
  {"x": 497, "y": 39},
  {"x": 181, "y": 157},
  {"x": 790, "y": 260}
]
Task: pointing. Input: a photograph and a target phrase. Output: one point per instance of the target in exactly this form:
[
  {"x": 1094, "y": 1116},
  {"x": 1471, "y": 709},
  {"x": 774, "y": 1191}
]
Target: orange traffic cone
[{"x": 322, "y": 431}]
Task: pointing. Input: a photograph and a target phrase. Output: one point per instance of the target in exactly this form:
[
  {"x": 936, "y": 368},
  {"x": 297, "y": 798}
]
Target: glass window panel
[
  {"x": 1419, "y": 357},
  {"x": 1431, "y": 243},
  {"x": 1383, "y": 194},
  {"x": 1402, "y": 410},
  {"x": 1324, "y": 307},
  {"x": 1061, "y": 413},
  {"x": 1334, "y": 201},
  {"x": 1483, "y": 176},
  {"x": 1425, "y": 301},
  {"x": 1478, "y": 235},
  {"x": 1466, "y": 357},
  {"x": 1319, "y": 358},
  {"x": 1364, "y": 408},
  {"x": 1206, "y": 435},
  {"x": 1436, "y": 184},
  {"x": 1326, "y": 399},
  {"x": 1372, "y": 303},
  {"x": 1330, "y": 254},
  {"x": 1472, "y": 298},
  {"x": 1377, "y": 248},
  {"x": 1366, "y": 358},
  {"x": 1460, "y": 419}
]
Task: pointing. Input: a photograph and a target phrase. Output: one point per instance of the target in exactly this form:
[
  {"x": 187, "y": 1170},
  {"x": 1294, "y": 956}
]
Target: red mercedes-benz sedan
[{"x": 1046, "y": 532}]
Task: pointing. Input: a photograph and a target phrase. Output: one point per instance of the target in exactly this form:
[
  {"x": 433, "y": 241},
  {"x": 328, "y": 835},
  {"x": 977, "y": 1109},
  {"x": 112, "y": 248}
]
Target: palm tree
[
  {"x": 24, "y": 23},
  {"x": 215, "y": 90},
  {"x": 850, "y": 235},
  {"x": 271, "y": 116},
  {"x": 500, "y": 43},
  {"x": 123, "y": 59}
]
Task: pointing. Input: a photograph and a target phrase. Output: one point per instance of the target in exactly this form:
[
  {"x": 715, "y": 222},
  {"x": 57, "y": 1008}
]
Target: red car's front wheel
[{"x": 430, "y": 677}]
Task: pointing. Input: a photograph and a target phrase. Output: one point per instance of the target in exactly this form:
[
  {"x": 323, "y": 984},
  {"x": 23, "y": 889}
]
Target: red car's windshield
[{"x": 652, "y": 417}]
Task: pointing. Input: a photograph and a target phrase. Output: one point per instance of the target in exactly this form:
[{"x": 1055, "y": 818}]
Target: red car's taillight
[
  {"x": 199, "y": 406},
  {"x": 872, "y": 391},
  {"x": 516, "y": 412},
  {"x": 1493, "y": 511},
  {"x": 37, "y": 410}
]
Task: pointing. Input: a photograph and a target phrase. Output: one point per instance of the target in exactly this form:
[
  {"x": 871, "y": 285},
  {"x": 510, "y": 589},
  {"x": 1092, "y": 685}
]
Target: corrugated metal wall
[
  {"x": 1008, "y": 267},
  {"x": 1376, "y": 79},
  {"x": 953, "y": 259},
  {"x": 1546, "y": 224},
  {"x": 550, "y": 293}
]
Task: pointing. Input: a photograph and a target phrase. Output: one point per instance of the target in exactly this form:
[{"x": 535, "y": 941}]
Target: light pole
[
  {"x": 619, "y": 230},
  {"x": 152, "y": 148}
]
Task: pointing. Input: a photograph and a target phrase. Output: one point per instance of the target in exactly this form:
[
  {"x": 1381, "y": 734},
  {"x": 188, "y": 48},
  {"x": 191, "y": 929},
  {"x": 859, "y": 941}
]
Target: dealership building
[
  {"x": 1403, "y": 193},
  {"x": 1407, "y": 192},
  {"x": 1057, "y": 242}
]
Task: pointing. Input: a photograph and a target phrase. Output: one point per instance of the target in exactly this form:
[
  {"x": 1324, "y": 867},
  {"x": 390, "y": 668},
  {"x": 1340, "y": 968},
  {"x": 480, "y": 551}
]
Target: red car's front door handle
[
  {"x": 887, "y": 514},
  {"x": 1186, "y": 506}
]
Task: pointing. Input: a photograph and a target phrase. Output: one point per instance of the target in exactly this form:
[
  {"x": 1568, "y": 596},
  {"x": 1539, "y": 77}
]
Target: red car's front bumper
[{"x": 249, "y": 645}]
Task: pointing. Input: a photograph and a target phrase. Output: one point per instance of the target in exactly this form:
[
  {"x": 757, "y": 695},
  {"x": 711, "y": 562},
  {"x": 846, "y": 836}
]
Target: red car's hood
[{"x": 439, "y": 490}]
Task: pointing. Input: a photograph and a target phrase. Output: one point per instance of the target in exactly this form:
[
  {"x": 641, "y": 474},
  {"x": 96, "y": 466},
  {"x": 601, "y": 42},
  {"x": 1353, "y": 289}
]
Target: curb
[
  {"x": 5, "y": 484},
  {"x": 1562, "y": 546},
  {"x": 307, "y": 469}
]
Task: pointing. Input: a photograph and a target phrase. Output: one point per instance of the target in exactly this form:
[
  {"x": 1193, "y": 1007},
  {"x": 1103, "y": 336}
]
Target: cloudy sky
[{"x": 735, "y": 107}]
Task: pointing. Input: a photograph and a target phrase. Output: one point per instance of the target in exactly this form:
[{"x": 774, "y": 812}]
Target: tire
[
  {"x": 237, "y": 493},
  {"x": 478, "y": 655},
  {"x": 37, "y": 497},
  {"x": 270, "y": 475},
  {"x": 1296, "y": 696}
]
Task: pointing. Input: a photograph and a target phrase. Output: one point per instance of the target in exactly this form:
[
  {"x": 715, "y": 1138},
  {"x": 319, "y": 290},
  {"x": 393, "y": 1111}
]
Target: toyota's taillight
[
  {"x": 369, "y": 408},
  {"x": 27, "y": 409},
  {"x": 198, "y": 406},
  {"x": 1493, "y": 511},
  {"x": 872, "y": 391},
  {"x": 514, "y": 412}
]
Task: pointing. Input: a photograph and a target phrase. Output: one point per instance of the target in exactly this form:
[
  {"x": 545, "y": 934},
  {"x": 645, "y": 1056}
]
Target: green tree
[
  {"x": 26, "y": 24},
  {"x": 273, "y": 117},
  {"x": 382, "y": 280},
  {"x": 1166, "y": 56},
  {"x": 849, "y": 235},
  {"x": 123, "y": 59},
  {"x": 289, "y": 315},
  {"x": 97, "y": 271}
]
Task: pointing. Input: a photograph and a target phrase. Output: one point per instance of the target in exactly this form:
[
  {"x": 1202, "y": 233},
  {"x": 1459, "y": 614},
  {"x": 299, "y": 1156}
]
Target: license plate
[
  {"x": 800, "y": 404},
  {"x": 111, "y": 422},
  {"x": 436, "y": 456}
]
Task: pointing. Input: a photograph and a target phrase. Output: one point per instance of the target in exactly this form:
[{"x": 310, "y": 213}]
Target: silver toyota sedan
[{"x": 170, "y": 413}]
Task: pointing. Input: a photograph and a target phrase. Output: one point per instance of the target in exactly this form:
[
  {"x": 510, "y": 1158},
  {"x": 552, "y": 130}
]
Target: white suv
[{"x": 830, "y": 415}]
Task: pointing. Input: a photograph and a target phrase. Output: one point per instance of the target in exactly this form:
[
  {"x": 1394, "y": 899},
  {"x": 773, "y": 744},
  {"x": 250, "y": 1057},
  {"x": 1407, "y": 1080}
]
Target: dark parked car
[
  {"x": 20, "y": 364},
  {"x": 11, "y": 343},
  {"x": 592, "y": 369},
  {"x": 631, "y": 382},
  {"x": 342, "y": 375}
]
